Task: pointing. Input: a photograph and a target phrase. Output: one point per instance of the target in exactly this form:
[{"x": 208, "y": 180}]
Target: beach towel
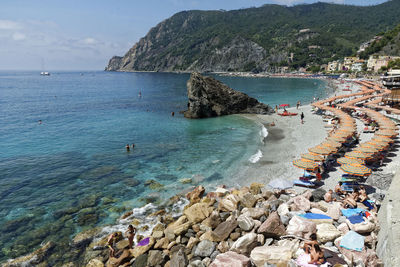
[
  {"x": 354, "y": 219},
  {"x": 353, "y": 241},
  {"x": 368, "y": 204},
  {"x": 314, "y": 216},
  {"x": 351, "y": 212},
  {"x": 303, "y": 260}
]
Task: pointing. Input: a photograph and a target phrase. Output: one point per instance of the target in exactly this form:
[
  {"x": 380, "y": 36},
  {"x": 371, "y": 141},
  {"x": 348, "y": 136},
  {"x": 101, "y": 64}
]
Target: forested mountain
[
  {"x": 388, "y": 44},
  {"x": 257, "y": 39}
]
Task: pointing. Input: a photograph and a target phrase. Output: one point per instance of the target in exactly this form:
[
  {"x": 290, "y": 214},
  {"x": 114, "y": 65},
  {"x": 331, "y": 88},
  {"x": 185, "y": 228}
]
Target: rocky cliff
[
  {"x": 209, "y": 97},
  {"x": 256, "y": 39}
]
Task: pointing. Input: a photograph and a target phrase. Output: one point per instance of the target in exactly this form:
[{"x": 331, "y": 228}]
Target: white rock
[{"x": 245, "y": 223}]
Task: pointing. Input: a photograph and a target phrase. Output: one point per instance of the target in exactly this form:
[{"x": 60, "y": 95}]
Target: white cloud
[
  {"x": 89, "y": 41},
  {"x": 9, "y": 25},
  {"x": 17, "y": 36}
]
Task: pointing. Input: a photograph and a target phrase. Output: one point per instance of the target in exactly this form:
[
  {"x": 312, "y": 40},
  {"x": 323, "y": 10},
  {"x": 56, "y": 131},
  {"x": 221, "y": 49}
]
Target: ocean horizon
[{"x": 64, "y": 166}]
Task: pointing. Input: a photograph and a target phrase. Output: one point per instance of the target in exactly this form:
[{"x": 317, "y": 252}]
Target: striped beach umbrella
[
  {"x": 366, "y": 150},
  {"x": 386, "y": 133},
  {"x": 388, "y": 127},
  {"x": 356, "y": 155},
  {"x": 375, "y": 143},
  {"x": 305, "y": 164},
  {"x": 319, "y": 150},
  {"x": 331, "y": 143},
  {"x": 344, "y": 160},
  {"x": 313, "y": 157},
  {"x": 337, "y": 139},
  {"x": 356, "y": 169},
  {"x": 382, "y": 138}
]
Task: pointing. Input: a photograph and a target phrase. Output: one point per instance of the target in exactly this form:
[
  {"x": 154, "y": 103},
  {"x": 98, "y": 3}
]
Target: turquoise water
[{"x": 72, "y": 171}]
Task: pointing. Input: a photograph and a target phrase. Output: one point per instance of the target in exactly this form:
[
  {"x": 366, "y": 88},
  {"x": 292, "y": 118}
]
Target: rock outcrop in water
[{"x": 209, "y": 97}]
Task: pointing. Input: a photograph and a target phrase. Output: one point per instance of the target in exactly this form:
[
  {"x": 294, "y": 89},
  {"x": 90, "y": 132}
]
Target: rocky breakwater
[
  {"x": 209, "y": 97},
  {"x": 250, "y": 226}
]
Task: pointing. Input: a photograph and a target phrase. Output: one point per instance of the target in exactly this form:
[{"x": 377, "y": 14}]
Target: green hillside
[{"x": 211, "y": 40}]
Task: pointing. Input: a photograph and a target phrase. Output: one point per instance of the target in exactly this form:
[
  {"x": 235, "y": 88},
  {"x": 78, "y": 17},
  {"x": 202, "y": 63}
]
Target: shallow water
[{"x": 72, "y": 171}]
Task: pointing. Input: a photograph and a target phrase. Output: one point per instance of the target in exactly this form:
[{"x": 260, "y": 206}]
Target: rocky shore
[{"x": 247, "y": 226}]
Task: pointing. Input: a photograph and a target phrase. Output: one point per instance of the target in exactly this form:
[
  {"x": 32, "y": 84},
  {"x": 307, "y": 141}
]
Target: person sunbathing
[
  {"x": 308, "y": 245},
  {"x": 363, "y": 198},
  {"x": 350, "y": 201},
  {"x": 328, "y": 197},
  {"x": 317, "y": 255},
  {"x": 338, "y": 189}
]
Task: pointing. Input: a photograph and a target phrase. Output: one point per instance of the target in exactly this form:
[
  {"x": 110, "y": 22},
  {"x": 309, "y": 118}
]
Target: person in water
[
  {"x": 133, "y": 146},
  {"x": 111, "y": 244},
  {"x": 127, "y": 147},
  {"x": 130, "y": 234}
]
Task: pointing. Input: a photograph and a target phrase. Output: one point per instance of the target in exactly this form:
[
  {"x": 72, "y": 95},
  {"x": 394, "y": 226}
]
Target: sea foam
[
  {"x": 256, "y": 157},
  {"x": 263, "y": 133}
]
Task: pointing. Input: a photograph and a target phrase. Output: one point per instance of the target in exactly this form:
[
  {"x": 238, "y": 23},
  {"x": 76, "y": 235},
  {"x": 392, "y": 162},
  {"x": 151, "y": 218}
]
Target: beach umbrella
[
  {"x": 356, "y": 169},
  {"x": 366, "y": 150},
  {"x": 386, "y": 133},
  {"x": 383, "y": 138},
  {"x": 331, "y": 143},
  {"x": 344, "y": 160},
  {"x": 305, "y": 164},
  {"x": 387, "y": 127},
  {"x": 376, "y": 144},
  {"x": 280, "y": 184},
  {"x": 313, "y": 157},
  {"x": 356, "y": 155},
  {"x": 337, "y": 139},
  {"x": 319, "y": 150}
]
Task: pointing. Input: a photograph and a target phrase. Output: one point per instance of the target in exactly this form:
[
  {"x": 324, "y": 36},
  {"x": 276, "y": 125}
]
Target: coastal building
[
  {"x": 349, "y": 61},
  {"x": 391, "y": 80},
  {"x": 332, "y": 66},
  {"x": 357, "y": 66},
  {"x": 375, "y": 62}
]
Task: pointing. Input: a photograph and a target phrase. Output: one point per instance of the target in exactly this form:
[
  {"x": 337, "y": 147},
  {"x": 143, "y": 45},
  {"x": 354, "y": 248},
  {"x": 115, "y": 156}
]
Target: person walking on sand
[
  {"x": 302, "y": 118},
  {"x": 130, "y": 234}
]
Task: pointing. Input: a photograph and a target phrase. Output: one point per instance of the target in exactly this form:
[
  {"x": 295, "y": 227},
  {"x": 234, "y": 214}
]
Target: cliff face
[
  {"x": 256, "y": 39},
  {"x": 210, "y": 98}
]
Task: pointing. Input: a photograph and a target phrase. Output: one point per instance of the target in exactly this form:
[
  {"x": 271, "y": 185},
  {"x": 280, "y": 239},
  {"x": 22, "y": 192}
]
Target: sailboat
[{"x": 44, "y": 73}]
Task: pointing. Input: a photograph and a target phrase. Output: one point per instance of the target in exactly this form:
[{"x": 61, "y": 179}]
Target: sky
[{"x": 85, "y": 34}]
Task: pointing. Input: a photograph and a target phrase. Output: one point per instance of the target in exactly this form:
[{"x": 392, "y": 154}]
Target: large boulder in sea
[{"x": 209, "y": 97}]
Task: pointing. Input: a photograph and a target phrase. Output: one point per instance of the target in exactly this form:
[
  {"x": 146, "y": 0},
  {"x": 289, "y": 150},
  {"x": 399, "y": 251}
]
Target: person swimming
[{"x": 127, "y": 147}]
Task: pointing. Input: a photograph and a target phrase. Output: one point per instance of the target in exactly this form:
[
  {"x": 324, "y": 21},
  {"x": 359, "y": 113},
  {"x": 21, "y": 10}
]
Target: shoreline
[{"x": 284, "y": 141}]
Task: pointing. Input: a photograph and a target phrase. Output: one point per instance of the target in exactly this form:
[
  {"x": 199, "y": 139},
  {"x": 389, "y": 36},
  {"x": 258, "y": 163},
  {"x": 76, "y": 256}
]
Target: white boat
[{"x": 45, "y": 73}]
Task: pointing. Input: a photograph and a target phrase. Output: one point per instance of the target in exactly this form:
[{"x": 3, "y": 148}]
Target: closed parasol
[{"x": 356, "y": 169}]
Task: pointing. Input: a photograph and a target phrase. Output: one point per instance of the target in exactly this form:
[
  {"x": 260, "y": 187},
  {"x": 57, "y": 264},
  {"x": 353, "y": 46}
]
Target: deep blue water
[{"x": 72, "y": 171}]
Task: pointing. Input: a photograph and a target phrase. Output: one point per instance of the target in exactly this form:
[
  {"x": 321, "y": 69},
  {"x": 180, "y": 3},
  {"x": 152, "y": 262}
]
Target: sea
[{"x": 64, "y": 167}]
